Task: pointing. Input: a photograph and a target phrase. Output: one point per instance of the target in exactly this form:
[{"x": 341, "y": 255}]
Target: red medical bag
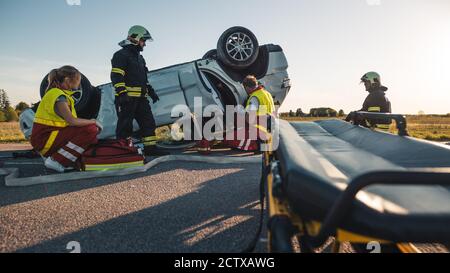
[{"x": 111, "y": 155}]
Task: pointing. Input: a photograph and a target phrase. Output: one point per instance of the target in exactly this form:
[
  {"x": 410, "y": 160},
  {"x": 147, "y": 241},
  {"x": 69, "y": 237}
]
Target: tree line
[
  {"x": 7, "y": 111},
  {"x": 315, "y": 112}
]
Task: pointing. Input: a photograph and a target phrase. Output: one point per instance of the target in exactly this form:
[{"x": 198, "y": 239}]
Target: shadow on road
[{"x": 221, "y": 215}]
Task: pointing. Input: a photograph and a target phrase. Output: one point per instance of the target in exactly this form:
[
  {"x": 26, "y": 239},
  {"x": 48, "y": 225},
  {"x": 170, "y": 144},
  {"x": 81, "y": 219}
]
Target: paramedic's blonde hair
[{"x": 56, "y": 76}]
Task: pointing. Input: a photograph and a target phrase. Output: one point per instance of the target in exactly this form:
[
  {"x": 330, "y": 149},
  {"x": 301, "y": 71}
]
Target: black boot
[{"x": 154, "y": 151}]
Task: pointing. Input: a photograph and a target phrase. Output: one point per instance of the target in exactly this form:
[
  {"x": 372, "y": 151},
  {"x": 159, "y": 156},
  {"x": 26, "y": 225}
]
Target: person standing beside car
[
  {"x": 129, "y": 77},
  {"x": 58, "y": 134}
]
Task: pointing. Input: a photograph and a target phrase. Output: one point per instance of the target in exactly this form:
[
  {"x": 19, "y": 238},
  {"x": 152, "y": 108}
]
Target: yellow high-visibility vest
[
  {"x": 46, "y": 114},
  {"x": 266, "y": 105}
]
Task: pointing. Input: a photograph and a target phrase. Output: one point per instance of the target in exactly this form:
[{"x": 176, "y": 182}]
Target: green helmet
[
  {"x": 139, "y": 32},
  {"x": 372, "y": 77}
]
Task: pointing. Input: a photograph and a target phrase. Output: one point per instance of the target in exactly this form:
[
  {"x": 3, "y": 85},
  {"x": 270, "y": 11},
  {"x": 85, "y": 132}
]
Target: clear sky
[{"x": 329, "y": 43}]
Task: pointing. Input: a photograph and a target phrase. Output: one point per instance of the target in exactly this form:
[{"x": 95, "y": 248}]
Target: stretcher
[{"x": 333, "y": 178}]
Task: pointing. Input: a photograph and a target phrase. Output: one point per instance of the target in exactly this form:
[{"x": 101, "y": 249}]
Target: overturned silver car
[{"x": 216, "y": 79}]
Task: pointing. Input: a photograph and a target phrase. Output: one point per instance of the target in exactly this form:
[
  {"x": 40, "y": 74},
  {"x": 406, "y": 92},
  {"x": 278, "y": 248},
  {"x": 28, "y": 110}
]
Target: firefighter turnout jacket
[
  {"x": 377, "y": 101},
  {"x": 129, "y": 77},
  {"x": 129, "y": 73}
]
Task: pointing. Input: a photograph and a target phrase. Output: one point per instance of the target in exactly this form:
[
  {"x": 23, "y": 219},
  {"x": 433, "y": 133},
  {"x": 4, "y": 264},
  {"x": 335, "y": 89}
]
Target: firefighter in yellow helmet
[
  {"x": 376, "y": 101},
  {"x": 129, "y": 75}
]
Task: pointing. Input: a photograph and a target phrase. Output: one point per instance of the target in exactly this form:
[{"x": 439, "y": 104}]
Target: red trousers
[
  {"x": 239, "y": 139},
  {"x": 64, "y": 145}
]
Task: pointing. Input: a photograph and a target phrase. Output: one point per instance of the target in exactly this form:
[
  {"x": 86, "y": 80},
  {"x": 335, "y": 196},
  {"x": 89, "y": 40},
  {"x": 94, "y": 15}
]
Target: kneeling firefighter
[{"x": 129, "y": 77}]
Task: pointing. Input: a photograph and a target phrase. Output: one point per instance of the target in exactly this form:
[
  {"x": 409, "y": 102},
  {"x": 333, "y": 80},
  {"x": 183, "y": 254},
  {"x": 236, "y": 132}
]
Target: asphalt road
[
  {"x": 175, "y": 207},
  {"x": 188, "y": 207}
]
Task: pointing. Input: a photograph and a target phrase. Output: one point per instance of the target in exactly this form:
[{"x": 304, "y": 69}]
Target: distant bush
[
  {"x": 323, "y": 112},
  {"x": 11, "y": 114},
  {"x": 8, "y": 113},
  {"x": 314, "y": 112},
  {"x": 299, "y": 113},
  {"x": 2, "y": 116}
]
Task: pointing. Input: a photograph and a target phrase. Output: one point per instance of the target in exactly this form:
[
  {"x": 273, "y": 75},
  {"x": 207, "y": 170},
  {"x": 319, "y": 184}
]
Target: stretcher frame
[{"x": 284, "y": 224}]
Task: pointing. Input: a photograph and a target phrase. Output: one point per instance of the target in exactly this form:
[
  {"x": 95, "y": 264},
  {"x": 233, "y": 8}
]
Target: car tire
[
  {"x": 237, "y": 48},
  {"x": 84, "y": 98}
]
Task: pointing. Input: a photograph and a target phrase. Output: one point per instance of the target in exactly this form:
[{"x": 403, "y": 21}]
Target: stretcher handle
[{"x": 343, "y": 205}]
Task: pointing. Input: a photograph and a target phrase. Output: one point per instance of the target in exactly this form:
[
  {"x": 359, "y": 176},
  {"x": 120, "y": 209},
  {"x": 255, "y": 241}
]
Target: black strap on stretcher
[{"x": 262, "y": 193}]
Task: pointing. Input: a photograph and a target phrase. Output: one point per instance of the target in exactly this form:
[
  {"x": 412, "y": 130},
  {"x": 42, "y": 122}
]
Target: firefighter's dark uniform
[
  {"x": 129, "y": 77},
  {"x": 377, "y": 101}
]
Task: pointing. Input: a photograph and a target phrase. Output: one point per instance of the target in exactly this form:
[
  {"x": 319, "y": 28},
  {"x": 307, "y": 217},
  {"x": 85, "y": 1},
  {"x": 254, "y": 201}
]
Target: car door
[{"x": 168, "y": 86}]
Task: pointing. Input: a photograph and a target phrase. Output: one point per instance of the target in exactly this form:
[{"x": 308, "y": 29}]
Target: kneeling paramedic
[
  {"x": 259, "y": 107},
  {"x": 129, "y": 77},
  {"x": 57, "y": 133}
]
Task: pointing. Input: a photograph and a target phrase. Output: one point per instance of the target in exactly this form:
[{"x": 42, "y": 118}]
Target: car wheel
[
  {"x": 83, "y": 96},
  {"x": 237, "y": 48}
]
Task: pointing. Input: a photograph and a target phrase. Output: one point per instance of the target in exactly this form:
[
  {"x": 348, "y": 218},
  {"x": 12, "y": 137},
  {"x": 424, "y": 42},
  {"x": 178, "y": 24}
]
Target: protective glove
[
  {"x": 155, "y": 99},
  {"x": 355, "y": 119},
  {"x": 152, "y": 93},
  {"x": 350, "y": 116}
]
